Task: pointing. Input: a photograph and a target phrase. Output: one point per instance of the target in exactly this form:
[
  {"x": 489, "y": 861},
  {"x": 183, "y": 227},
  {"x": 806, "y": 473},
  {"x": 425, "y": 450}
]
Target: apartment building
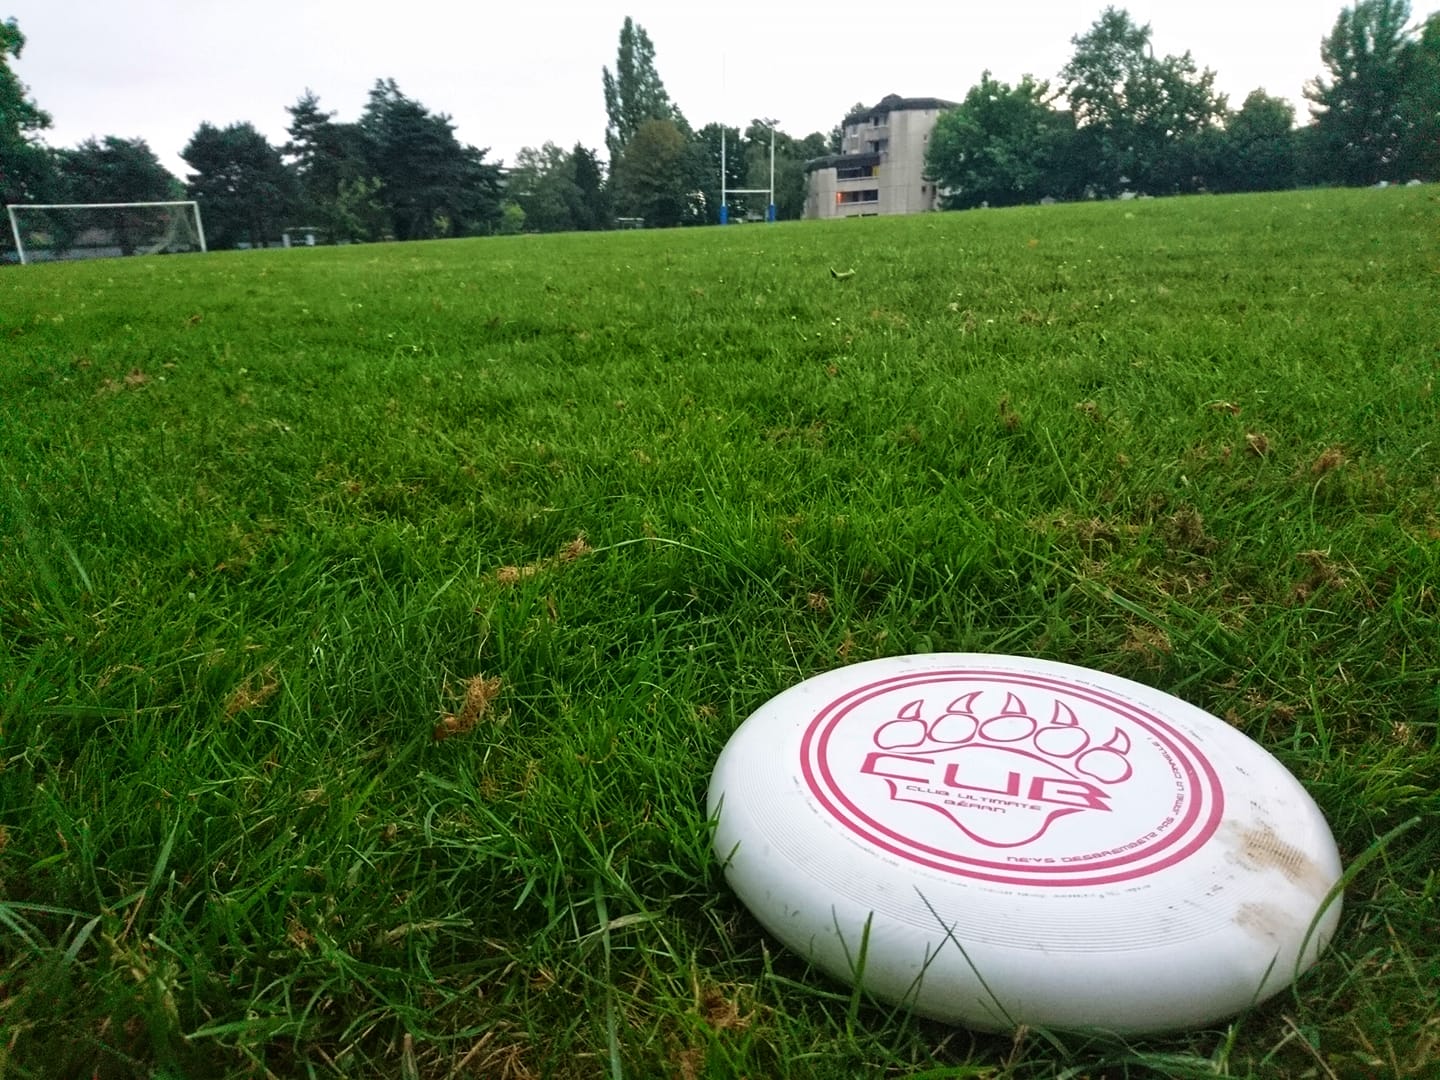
[{"x": 881, "y": 165}]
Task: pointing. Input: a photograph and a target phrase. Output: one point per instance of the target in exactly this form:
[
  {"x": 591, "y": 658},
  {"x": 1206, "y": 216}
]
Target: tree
[
  {"x": 705, "y": 150},
  {"x": 115, "y": 170},
  {"x": 26, "y": 169},
  {"x": 791, "y": 180},
  {"x": 1258, "y": 150},
  {"x": 634, "y": 94},
  {"x": 657, "y": 175},
  {"x": 327, "y": 156},
  {"x": 357, "y": 213},
  {"x": 1359, "y": 110},
  {"x": 432, "y": 185},
  {"x": 244, "y": 189},
  {"x": 542, "y": 183},
  {"x": 1139, "y": 119},
  {"x": 594, "y": 209},
  {"x": 1420, "y": 103},
  {"x": 1001, "y": 146}
]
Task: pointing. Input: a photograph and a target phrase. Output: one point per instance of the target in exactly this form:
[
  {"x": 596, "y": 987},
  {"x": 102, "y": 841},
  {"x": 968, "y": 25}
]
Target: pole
[
  {"x": 770, "y": 208},
  {"x": 199, "y": 226},
  {"x": 15, "y": 228},
  {"x": 724, "y": 201}
]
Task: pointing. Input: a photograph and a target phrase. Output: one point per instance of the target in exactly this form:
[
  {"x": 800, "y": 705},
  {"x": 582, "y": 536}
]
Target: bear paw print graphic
[{"x": 1003, "y": 778}]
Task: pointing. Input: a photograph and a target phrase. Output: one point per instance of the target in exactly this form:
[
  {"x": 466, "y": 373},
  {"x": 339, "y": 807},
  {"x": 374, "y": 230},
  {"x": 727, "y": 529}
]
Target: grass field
[{"x": 370, "y": 618}]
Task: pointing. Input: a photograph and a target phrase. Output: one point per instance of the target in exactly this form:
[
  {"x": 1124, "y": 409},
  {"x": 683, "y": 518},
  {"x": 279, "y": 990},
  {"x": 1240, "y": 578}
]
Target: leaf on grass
[
  {"x": 479, "y": 693},
  {"x": 1259, "y": 444}
]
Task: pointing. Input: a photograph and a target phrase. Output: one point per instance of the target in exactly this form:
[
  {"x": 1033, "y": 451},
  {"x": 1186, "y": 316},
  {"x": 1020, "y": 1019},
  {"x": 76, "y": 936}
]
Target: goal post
[
  {"x": 726, "y": 191},
  {"x": 48, "y": 232}
]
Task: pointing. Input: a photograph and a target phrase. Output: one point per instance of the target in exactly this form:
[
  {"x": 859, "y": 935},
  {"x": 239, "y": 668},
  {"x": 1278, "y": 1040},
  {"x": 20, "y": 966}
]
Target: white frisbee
[{"x": 996, "y": 841}]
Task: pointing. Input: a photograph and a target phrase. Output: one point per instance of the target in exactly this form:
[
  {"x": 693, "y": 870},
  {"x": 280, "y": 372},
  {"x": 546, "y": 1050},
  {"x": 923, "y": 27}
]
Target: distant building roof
[
  {"x": 895, "y": 103},
  {"x": 847, "y": 161}
]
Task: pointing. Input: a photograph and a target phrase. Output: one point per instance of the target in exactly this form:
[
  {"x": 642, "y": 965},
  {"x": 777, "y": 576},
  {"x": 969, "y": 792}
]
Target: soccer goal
[{"x": 45, "y": 232}]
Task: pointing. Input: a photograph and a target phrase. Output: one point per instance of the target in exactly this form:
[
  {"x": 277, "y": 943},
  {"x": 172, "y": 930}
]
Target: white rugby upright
[{"x": 995, "y": 841}]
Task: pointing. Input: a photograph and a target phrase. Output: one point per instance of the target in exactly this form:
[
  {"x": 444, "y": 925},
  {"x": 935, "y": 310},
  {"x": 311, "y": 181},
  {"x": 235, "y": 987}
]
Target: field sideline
[{"x": 371, "y": 617}]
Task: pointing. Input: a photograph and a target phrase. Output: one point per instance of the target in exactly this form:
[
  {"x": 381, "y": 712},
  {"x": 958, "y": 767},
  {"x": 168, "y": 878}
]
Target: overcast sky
[{"x": 514, "y": 74}]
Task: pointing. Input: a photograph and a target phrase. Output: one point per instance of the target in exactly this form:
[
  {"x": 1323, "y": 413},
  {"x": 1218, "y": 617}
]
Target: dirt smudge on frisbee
[
  {"x": 1261, "y": 848},
  {"x": 1266, "y": 921}
]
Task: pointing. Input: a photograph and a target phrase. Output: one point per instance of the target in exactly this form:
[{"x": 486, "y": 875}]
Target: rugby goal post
[
  {"x": 726, "y": 191},
  {"x": 46, "y": 232}
]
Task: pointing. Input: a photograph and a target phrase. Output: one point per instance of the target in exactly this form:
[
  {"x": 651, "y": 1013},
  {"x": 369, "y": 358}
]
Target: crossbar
[{"x": 95, "y": 205}]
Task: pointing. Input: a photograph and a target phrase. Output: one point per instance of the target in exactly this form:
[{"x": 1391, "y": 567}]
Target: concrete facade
[{"x": 881, "y": 165}]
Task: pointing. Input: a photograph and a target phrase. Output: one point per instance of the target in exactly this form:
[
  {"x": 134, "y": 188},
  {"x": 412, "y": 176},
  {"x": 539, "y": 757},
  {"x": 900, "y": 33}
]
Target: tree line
[
  {"x": 1118, "y": 118},
  {"x": 1122, "y": 119}
]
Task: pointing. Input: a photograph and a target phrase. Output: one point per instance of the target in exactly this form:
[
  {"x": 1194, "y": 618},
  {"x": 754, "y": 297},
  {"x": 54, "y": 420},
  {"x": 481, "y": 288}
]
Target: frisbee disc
[{"x": 996, "y": 841}]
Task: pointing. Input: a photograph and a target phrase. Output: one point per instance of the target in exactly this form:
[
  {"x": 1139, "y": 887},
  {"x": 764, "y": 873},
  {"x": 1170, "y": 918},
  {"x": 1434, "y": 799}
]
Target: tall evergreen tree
[
  {"x": 1420, "y": 103},
  {"x": 594, "y": 212},
  {"x": 432, "y": 185},
  {"x": 115, "y": 170},
  {"x": 324, "y": 154},
  {"x": 245, "y": 191},
  {"x": 634, "y": 92},
  {"x": 1359, "y": 111}
]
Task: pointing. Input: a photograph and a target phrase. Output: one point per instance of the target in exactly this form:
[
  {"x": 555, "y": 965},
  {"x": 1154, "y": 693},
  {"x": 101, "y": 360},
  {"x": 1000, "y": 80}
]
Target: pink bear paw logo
[{"x": 1004, "y": 777}]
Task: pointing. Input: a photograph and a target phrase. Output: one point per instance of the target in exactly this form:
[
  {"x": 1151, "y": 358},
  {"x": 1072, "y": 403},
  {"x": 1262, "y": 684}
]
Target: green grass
[{"x": 256, "y": 511}]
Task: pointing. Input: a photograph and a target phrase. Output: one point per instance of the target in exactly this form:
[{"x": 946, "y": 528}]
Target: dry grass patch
[
  {"x": 575, "y": 549},
  {"x": 479, "y": 693},
  {"x": 253, "y": 692}
]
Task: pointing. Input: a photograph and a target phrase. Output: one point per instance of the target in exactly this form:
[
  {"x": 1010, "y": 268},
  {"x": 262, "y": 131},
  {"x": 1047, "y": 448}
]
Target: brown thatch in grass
[
  {"x": 575, "y": 549},
  {"x": 253, "y": 692},
  {"x": 479, "y": 693},
  {"x": 720, "y": 1012},
  {"x": 509, "y": 575},
  {"x": 1330, "y": 459}
]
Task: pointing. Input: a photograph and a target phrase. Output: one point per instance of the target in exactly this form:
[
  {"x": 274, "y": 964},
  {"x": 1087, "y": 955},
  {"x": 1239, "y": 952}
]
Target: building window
[
  {"x": 856, "y": 172},
  {"x": 869, "y": 195}
]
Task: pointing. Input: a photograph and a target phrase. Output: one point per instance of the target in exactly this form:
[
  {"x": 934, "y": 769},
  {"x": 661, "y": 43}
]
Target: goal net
[{"x": 44, "y": 232}]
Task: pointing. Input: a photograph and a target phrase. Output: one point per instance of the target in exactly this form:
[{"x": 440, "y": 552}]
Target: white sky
[{"x": 513, "y": 74}]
